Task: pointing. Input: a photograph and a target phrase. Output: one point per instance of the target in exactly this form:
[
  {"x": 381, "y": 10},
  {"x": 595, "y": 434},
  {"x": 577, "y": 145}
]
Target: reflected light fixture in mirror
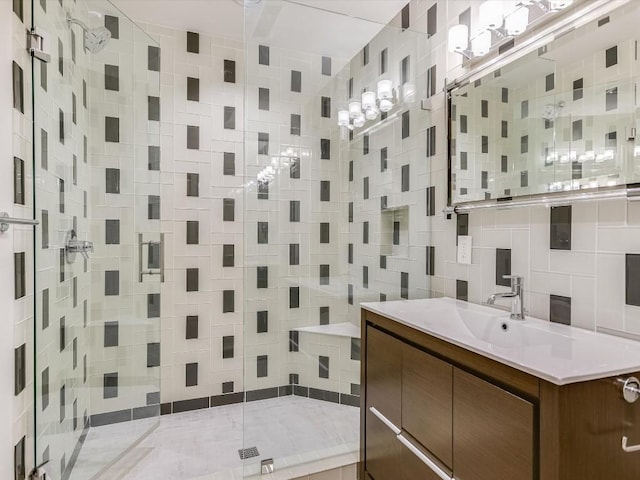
[
  {"x": 506, "y": 18},
  {"x": 372, "y": 103}
]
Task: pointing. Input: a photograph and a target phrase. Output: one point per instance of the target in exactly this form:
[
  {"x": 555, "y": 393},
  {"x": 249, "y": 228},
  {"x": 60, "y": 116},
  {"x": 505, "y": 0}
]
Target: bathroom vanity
[{"x": 452, "y": 390}]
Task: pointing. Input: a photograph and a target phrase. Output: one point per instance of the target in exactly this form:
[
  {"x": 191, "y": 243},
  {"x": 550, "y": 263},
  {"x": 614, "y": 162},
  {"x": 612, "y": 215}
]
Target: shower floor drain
[{"x": 248, "y": 453}]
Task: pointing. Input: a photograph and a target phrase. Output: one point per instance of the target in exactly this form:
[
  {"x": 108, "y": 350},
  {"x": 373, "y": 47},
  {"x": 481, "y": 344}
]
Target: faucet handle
[{"x": 516, "y": 280}]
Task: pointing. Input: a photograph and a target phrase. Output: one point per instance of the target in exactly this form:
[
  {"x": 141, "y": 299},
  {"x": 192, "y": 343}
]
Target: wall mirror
[{"x": 562, "y": 118}]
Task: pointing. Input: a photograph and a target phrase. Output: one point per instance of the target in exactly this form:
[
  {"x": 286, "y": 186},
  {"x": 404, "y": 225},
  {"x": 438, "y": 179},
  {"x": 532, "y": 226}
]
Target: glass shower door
[{"x": 98, "y": 249}]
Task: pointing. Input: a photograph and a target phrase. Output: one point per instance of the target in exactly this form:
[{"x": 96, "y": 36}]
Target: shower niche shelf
[{"x": 394, "y": 231}]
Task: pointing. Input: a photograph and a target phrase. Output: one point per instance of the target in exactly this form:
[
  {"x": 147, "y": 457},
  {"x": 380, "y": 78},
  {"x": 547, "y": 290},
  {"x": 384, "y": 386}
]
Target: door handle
[
  {"x": 631, "y": 449},
  {"x": 424, "y": 459},
  {"x": 385, "y": 420}
]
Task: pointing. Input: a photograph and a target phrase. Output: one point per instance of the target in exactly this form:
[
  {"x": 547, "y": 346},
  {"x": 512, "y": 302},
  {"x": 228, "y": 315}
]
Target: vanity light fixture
[
  {"x": 499, "y": 18},
  {"x": 371, "y": 103}
]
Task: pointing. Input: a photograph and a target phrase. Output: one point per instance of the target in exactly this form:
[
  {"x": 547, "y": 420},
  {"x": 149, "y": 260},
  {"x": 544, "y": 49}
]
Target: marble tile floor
[{"x": 302, "y": 435}]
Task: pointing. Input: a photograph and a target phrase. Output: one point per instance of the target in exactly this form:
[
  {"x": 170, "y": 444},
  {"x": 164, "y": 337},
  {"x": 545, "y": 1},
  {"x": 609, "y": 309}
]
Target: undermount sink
[{"x": 558, "y": 353}]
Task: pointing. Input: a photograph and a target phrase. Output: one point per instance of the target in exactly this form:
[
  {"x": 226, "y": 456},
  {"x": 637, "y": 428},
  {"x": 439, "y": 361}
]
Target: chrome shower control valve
[{"x": 630, "y": 389}]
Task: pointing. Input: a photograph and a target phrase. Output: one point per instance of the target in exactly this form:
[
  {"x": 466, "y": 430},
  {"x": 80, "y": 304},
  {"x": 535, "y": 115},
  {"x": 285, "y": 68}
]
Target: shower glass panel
[
  {"x": 333, "y": 217},
  {"x": 98, "y": 264}
]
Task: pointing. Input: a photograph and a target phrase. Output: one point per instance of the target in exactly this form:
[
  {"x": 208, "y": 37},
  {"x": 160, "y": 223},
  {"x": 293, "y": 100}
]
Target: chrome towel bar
[{"x": 6, "y": 221}]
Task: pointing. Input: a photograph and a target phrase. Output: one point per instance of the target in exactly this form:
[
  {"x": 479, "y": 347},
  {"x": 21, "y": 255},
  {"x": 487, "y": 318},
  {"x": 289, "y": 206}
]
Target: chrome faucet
[
  {"x": 73, "y": 246},
  {"x": 516, "y": 295}
]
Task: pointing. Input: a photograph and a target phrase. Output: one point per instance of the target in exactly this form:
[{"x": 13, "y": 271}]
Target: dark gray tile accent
[
  {"x": 384, "y": 60},
  {"x": 285, "y": 390},
  {"x": 406, "y": 130},
  {"x": 462, "y": 288},
  {"x": 18, "y": 181},
  {"x": 193, "y": 137},
  {"x": 431, "y": 141},
  {"x": 294, "y": 254},
  {"x": 113, "y": 25},
  {"x": 228, "y": 255},
  {"x": 44, "y": 388},
  {"x": 484, "y": 108},
  {"x": 430, "y": 260},
  {"x": 324, "y": 274},
  {"x": 325, "y": 149},
  {"x": 153, "y": 255},
  {"x": 431, "y": 201},
  {"x": 153, "y": 210},
  {"x": 165, "y": 408},
  {"x": 350, "y": 400},
  {"x": 324, "y": 232},
  {"x": 296, "y": 122},
  {"x": 603, "y": 21},
  {"x": 109, "y": 418},
  {"x": 18, "y": 88},
  {"x": 229, "y": 166},
  {"x": 323, "y": 367},
  {"x": 62, "y": 265},
  {"x": 153, "y": 58},
  {"x": 405, "y": 16},
  {"x": 294, "y": 297},
  {"x": 350, "y": 253},
  {"x": 578, "y": 89},
  {"x": 325, "y": 191},
  {"x": 504, "y": 129},
  {"x": 576, "y": 170},
  {"x": 263, "y": 98},
  {"x": 263, "y": 55},
  {"x": 463, "y": 124},
  {"x": 110, "y": 385},
  {"x": 153, "y": 305},
  {"x": 365, "y": 232},
  {"x": 193, "y": 185},
  {"x": 384, "y": 155},
  {"x": 396, "y": 233},
  {"x": 262, "y": 321},
  {"x": 300, "y": 391},
  {"x": 484, "y": 179},
  {"x": 383, "y": 262},
  {"x": 19, "y": 365},
  {"x": 365, "y": 276},
  {"x": 262, "y": 277},
  {"x": 350, "y": 212},
  {"x": 191, "y": 374},
  {"x": 296, "y": 81},
  {"x": 153, "y": 355},
  {"x": 404, "y": 72},
  {"x": 60, "y": 57},
  {"x": 611, "y": 140},
  {"x": 524, "y": 179},
  {"x": 326, "y": 66},
  {"x": 192, "y": 404},
  {"x": 111, "y": 129},
  {"x": 505, "y": 95},
  {"x": 193, "y": 42},
  {"x": 19, "y": 464},
  {"x": 227, "y": 387},
  {"x": 383, "y": 202},
  {"x": 191, "y": 327},
  {"x": 524, "y": 109},
  {"x": 405, "y": 179},
  {"x": 484, "y": 144},
  {"x": 75, "y": 169},
  {"x": 228, "y": 301},
  {"x": 611, "y": 56},
  {"x": 263, "y": 190},
  {"x": 228, "y": 210},
  {"x": 45, "y": 308},
  {"x": 148, "y": 411},
  {"x": 44, "y": 76},
  {"x": 294, "y": 210},
  {"x": 365, "y": 54},
  {"x": 560, "y": 309},
  {"x": 365, "y": 188},
  {"x": 611, "y": 102},
  {"x": 263, "y": 394},
  {"x": 404, "y": 285},
  {"x": 325, "y": 107},
  {"x": 111, "y": 331},
  {"x": 44, "y": 149},
  {"x": 560, "y": 230},
  {"x": 112, "y": 282},
  {"x": 230, "y": 71},
  {"x": 550, "y": 82},
  {"x": 263, "y": 233},
  {"x": 192, "y": 277},
  {"x": 325, "y": 395},
  {"x": 350, "y": 294},
  {"x": 19, "y": 278},
  {"x": 193, "y": 89},
  {"x": 294, "y": 341},
  {"x": 112, "y": 77},
  {"x": 263, "y": 143},
  {"x": 18, "y": 9},
  {"x": 112, "y": 180},
  {"x": 193, "y": 232},
  {"x": 576, "y": 130},
  {"x": 632, "y": 279},
  {"x": 504, "y": 163},
  {"x": 524, "y": 144},
  {"x": 324, "y": 315},
  {"x": 355, "y": 349},
  {"x": 294, "y": 169},
  {"x": 230, "y": 118},
  {"x": 503, "y": 266},
  {"x": 262, "y": 366},
  {"x": 228, "y": 399}
]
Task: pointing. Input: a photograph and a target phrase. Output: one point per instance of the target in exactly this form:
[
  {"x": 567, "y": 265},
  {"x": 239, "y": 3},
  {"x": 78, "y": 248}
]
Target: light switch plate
[{"x": 465, "y": 245}]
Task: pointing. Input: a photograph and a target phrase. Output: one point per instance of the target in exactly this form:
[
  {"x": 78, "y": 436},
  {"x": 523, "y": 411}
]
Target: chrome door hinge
[
  {"x": 35, "y": 45},
  {"x": 38, "y": 472}
]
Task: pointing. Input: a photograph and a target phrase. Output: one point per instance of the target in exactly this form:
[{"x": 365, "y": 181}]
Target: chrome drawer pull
[
  {"x": 385, "y": 420},
  {"x": 424, "y": 459},
  {"x": 634, "y": 448}
]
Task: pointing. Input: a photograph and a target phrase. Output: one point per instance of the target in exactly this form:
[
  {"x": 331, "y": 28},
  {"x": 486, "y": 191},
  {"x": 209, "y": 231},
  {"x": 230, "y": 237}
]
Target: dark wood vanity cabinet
[{"x": 432, "y": 410}]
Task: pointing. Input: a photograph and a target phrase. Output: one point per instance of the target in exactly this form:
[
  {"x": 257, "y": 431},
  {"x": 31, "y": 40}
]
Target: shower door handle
[
  {"x": 35, "y": 45},
  {"x": 150, "y": 271}
]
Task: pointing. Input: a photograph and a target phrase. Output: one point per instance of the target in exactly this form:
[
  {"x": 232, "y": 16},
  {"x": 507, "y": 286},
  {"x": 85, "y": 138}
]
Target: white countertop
[
  {"x": 557, "y": 353},
  {"x": 346, "y": 329}
]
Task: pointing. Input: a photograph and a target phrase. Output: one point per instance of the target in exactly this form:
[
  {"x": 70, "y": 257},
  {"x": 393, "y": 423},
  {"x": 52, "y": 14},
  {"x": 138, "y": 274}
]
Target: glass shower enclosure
[{"x": 98, "y": 248}]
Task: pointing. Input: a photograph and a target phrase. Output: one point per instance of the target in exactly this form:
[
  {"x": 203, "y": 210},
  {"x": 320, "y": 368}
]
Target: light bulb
[
  {"x": 555, "y": 5},
  {"x": 385, "y": 89},
  {"x": 458, "y": 38},
  {"x": 517, "y": 21},
  {"x": 491, "y": 15},
  {"x": 481, "y": 44},
  {"x": 343, "y": 118},
  {"x": 371, "y": 114},
  {"x": 386, "y": 105},
  {"x": 355, "y": 109},
  {"x": 368, "y": 101},
  {"x": 359, "y": 120}
]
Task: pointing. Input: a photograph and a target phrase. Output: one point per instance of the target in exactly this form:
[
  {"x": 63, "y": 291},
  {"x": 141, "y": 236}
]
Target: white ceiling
[{"x": 338, "y": 28}]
